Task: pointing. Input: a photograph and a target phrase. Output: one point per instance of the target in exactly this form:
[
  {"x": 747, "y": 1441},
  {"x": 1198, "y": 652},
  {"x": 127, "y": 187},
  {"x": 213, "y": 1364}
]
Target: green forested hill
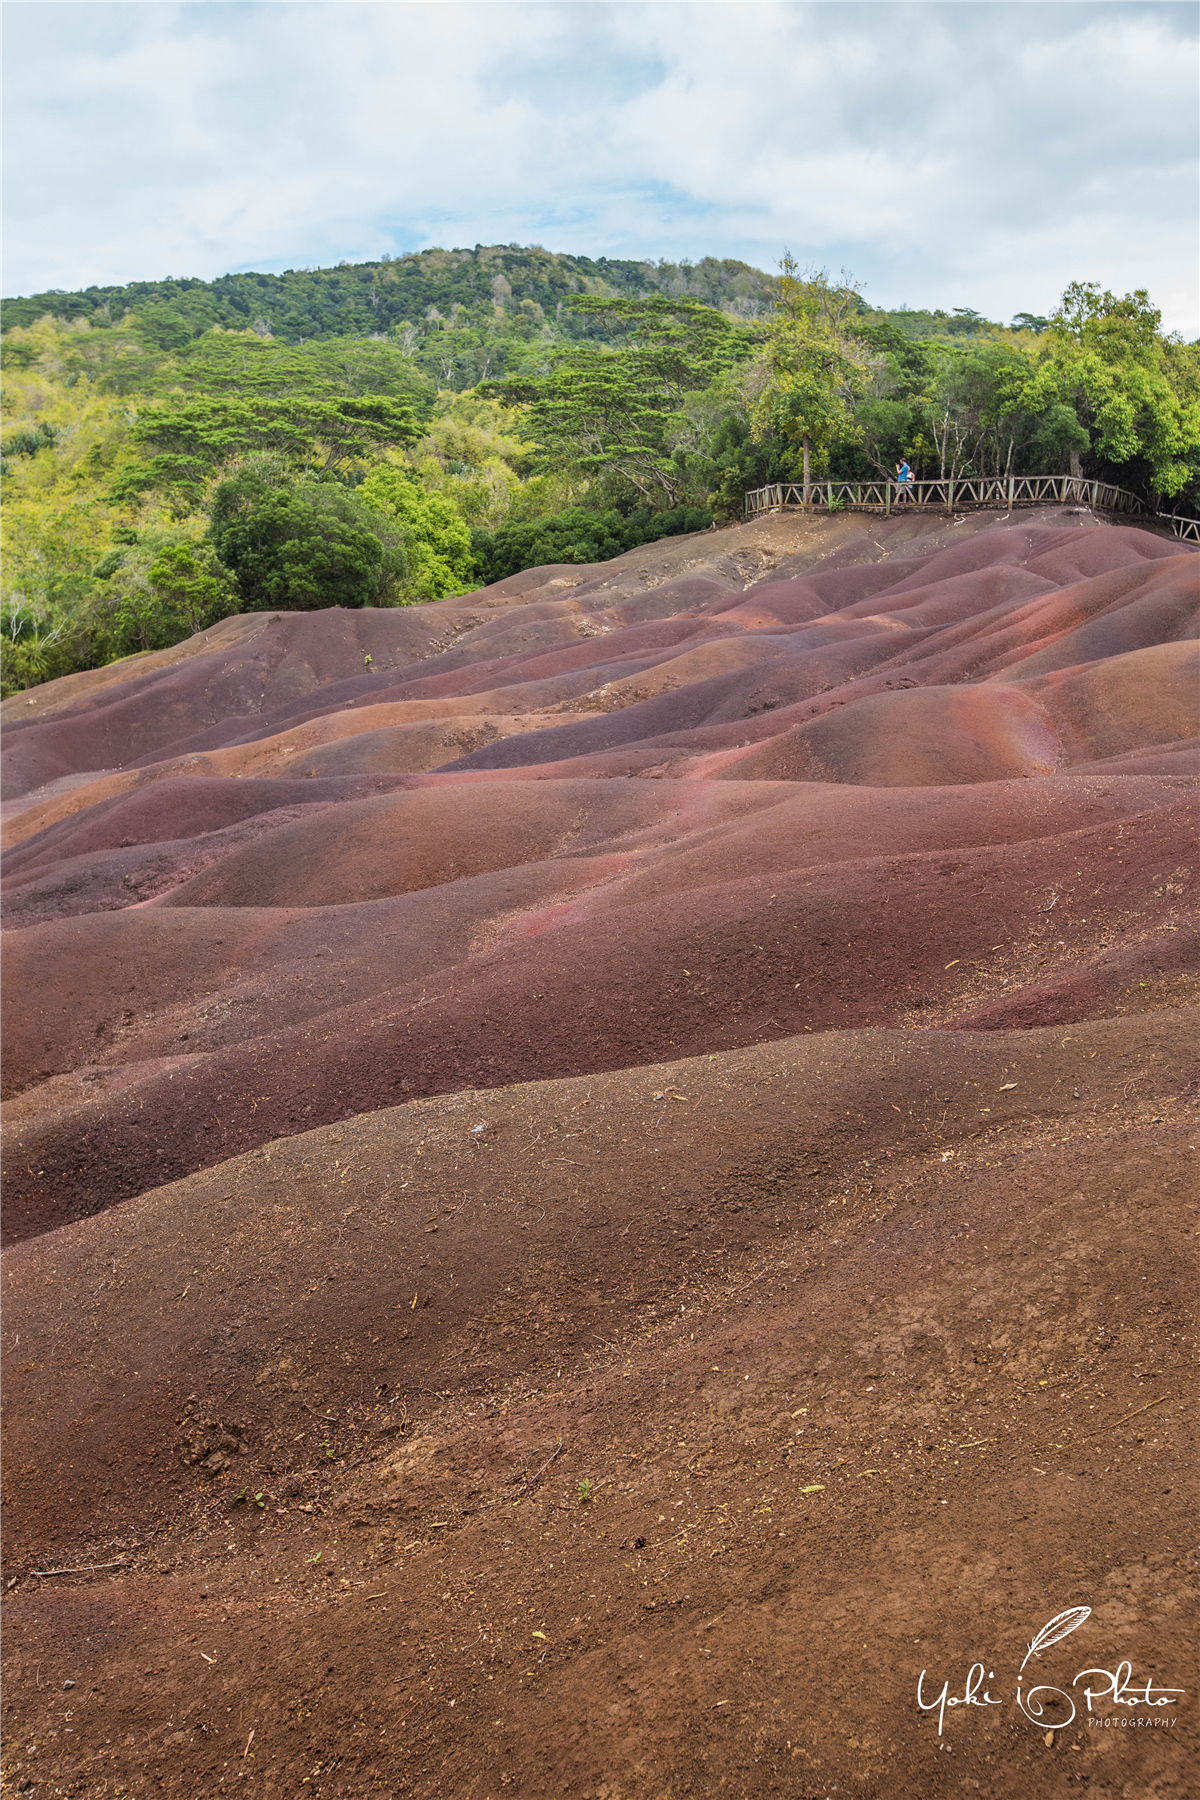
[
  {"x": 357, "y": 299},
  {"x": 396, "y": 431}
]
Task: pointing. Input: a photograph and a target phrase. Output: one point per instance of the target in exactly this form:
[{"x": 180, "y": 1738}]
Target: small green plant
[
  {"x": 249, "y": 1499},
  {"x": 313, "y": 1559},
  {"x": 585, "y": 1491}
]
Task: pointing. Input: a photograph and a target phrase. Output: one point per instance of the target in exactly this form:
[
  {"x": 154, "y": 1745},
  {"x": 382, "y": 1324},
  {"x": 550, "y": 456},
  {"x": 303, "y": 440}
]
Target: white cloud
[{"x": 969, "y": 154}]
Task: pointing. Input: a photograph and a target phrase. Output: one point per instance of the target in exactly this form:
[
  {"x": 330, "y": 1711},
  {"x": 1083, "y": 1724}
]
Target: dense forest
[
  {"x": 392, "y": 432},
  {"x": 496, "y": 299}
]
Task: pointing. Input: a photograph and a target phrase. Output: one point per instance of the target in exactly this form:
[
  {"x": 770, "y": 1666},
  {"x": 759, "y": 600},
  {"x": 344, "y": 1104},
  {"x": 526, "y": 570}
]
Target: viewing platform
[{"x": 963, "y": 494}]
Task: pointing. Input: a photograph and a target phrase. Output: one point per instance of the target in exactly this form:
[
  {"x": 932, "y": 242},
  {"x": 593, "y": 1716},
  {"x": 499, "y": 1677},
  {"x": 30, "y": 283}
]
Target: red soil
[{"x": 590, "y": 1195}]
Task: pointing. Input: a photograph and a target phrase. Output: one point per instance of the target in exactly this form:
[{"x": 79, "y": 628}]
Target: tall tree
[
  {"x": 816, "y": 365},
  {"x": 1128, "y": 384},
  {"x": 242, "y": 364},
  {"x": 303, "y": 547},
  {"x": 606, "y": 406},
  {"x": 189, "y": 440},
  {"x": 437, "y": 539}
]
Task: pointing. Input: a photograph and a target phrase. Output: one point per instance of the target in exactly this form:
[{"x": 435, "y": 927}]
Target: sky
[{"x": 961, "y": 154}]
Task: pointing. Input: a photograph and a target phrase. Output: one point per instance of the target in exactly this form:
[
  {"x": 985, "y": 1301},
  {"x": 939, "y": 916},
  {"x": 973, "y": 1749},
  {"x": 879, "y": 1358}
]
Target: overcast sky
[{"x": 962, "y": 154}]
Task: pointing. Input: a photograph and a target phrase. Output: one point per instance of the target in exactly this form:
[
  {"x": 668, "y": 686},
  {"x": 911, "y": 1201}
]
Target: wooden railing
[{"x": 965, "y": 492}]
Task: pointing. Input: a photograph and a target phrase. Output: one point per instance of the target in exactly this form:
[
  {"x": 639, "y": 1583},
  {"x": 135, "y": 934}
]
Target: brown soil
[{"x": 528, "y": 1279}]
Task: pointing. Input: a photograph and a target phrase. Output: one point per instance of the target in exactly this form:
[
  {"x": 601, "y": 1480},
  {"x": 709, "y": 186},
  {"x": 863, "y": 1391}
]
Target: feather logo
[{"x": 1059, "y": 1627}]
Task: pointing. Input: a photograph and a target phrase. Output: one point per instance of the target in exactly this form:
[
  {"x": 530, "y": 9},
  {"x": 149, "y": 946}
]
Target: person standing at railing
[{"x": 903, "y": 482}]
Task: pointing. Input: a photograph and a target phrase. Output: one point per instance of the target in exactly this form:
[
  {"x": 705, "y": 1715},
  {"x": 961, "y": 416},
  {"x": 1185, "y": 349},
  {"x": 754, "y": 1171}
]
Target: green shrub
[
  {"x": 437, "y": 539},
  {"x": 155, "y": 594},
  {"x": 578, "y": 536},
  {"x": 36, "y": 646},
  {"x": 303, "y": 547},
  {"x": 147, "y": 593},
  {"x": 733, "y": 464}
]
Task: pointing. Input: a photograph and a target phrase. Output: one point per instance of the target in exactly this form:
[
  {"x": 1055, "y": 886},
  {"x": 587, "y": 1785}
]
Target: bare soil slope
[{"x": 588, "y": 1197}]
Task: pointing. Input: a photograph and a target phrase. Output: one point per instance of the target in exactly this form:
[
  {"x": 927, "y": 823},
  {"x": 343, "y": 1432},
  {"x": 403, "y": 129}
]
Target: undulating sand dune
[{"x": 599, "y": 1173}]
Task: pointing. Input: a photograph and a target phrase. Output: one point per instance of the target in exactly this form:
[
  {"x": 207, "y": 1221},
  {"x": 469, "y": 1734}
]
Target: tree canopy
[
  {"x": 187, "y": 441},
  {"x": 606, "y": 408},
  {"x": 816, "y": 365},
  {"x": 1132, "y": 390},
  {"x": 436, "y": 536},
  {"x": 578, "y": 536},
  {"x": 302, "y": 547}
]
